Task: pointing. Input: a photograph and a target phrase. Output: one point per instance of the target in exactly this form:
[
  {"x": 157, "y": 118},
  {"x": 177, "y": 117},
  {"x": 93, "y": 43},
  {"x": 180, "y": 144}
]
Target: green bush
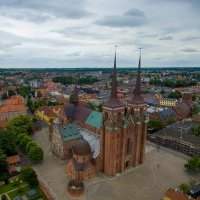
[
  {"x": 155, "y": 124},
  {"x": 196, "y": 130},
  {"x": 20, "y": 128},
  {"x": 35, "y": 154},
  {"x": 30, "y": 144},
  {"x": 28, "y": 175},
  {"x": 193, "y": 164},
  {"x": 185, "y": 188}
]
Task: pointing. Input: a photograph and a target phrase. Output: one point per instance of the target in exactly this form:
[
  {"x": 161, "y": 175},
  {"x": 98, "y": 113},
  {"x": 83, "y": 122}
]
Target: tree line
[
  {"x": 17, "y": 137},
  {"x": 172, "y": 83},
  {"x": 75, "y": 80}
]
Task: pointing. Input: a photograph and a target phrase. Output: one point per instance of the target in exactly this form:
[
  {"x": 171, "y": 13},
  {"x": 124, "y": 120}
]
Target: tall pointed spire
[
  {"x": 137, "y": 98},
  {"x": 74, "y": 99},
  {"x": 113, "y": 100},
  {"x": 137, "y": 89},
  {"x": 114, "y": 78}
]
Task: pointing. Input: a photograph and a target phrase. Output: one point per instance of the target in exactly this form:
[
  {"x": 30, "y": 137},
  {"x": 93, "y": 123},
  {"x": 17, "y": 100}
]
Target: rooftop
[
  {"x": 172, "y": 194},
  {"x": 70, "y": 131},
  {"x": 95, "y": 119},
  {"x": 174, "y": 131}
]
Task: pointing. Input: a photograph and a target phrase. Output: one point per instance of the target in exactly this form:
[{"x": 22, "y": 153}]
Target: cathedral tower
[
  {"x": 113, "y": 112},
  {"x": 124, "y": 129},
  {"x": 137, "y": 121}
]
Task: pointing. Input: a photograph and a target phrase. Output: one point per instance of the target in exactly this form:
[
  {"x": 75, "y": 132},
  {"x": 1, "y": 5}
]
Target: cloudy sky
[{"x": 83, "y": 33}]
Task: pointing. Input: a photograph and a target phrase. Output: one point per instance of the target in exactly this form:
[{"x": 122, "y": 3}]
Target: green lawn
[
  {"x": 19, "y": 190},
  {"x": 6, "y": 188},
  {"x": 22, "y": 191}
]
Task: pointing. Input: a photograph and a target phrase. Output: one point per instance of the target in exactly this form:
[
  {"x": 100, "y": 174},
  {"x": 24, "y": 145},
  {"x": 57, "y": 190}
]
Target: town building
[
  {"x": 48, "y": 113},
  {"x": 11, "y": 108},
  {"x": 13, "y": 164}
]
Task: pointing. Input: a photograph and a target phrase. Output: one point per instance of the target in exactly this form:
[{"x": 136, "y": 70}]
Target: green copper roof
[
  {"x": 70, "y": 132},
  {"x": 95, "y": 119}
]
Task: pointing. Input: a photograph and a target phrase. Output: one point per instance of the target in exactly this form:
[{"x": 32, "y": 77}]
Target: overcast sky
[{"x": 83, "y": 33}]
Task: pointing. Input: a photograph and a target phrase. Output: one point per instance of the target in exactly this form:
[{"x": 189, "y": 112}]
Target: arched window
[
  {"x": 105, "y": 116},
  {"x": 118, "y": 116},
  {"x": 128, "y": 146}
]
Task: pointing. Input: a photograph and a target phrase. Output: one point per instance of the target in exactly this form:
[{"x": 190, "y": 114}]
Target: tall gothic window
[{"x": 128, "y": 146}]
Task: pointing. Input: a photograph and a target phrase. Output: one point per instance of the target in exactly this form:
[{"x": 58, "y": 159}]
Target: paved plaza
[{"x": 162, "y": 169}]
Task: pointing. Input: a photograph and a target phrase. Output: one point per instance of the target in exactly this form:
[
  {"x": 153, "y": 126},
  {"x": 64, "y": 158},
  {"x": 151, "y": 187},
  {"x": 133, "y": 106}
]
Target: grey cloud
[
  {"x": 192, "y": 2},
  {"x": 74, "y": 54},
  {"x": 82, "y": 33},
  {"x": 166, "y": 38},
  {"x": 191, "y": 38},
  {"x": 144, "y": 45},
  {"x": 9, "y": 41},
  {"x": 25, "y": 14},
  {"x": 147, "y": 35},
  {"x": 131, "y": 18},
  {"x": 190, "y": 50},
  {"x": 134, "y": 12},
  {"x": 8, "y": 45},
  {"x": 60, "y": 8}
]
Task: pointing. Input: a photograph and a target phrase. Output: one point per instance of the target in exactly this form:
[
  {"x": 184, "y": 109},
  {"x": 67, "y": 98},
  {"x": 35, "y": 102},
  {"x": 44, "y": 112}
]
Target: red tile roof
[
  {"x": 13, "y": 104},
  {"x": 11, "y": 160},
  {"x": 172, "y": 194}
]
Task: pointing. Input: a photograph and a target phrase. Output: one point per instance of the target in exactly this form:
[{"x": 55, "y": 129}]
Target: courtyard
[{"x": 162, "y": 169}]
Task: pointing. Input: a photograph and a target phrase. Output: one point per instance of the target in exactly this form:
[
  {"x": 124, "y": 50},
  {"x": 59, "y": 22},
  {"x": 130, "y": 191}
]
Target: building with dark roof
[{"x": 179, "y": 136}]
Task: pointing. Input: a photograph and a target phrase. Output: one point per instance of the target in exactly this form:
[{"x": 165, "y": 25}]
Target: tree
[
  {"x": 175, "y": 95},
  {"x": 72, "y": 80},
  {"x": 7, "y": 143},
  {"x": 4, "y": 197},
  {"x": 3, "y": 167},
  {"x": 20, "y": 127},
  {"x": 195, "y": 109},
  {"x": 185, "y": 188},
  {"x": 22, "y": 123},
  {"x": 170, "y": 120},
  {"x": 155, "y": 81},
  {"x": 25, "y": 91},
  {"x": 155, "y": 124},
  {"x": 24, "y": 141},
  {"x": 196, "y": 130},
  {"x": 35, "y": 154},
  {"x": 193, "y": 164},
  {"x": 30, "y": 144},
  {"x": 34, "y": 105},
  {"x": 28, "y": 175},
  {"x": 19, "y": 137}
]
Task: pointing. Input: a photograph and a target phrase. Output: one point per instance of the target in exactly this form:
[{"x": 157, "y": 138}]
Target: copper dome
[{"x": 81, "y": 147}]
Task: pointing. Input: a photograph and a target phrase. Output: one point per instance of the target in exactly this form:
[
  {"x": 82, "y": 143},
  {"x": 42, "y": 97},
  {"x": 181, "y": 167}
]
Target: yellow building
[
  {"x": 48, "y": 114},
  {"x": 167, "y": 102}
]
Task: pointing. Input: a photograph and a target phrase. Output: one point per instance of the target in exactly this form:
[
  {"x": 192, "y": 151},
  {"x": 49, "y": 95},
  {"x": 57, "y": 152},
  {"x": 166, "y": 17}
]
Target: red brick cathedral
[
  {"x": 110, "y": 141},
  {"x": 124, "y": 128}
]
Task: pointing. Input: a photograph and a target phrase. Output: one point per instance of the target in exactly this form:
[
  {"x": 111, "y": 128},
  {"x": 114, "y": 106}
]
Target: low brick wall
[{"x": 46, "y": 191}]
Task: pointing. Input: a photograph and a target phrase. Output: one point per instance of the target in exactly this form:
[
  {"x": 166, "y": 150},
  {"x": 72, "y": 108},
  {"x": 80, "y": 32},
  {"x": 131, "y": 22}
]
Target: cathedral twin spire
[
  {"x": 136, "y": 97},
  {"x": 114, "y": 78}
]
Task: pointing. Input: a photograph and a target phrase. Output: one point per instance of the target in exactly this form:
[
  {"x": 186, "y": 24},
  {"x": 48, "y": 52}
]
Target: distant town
[{"x": 100, "y": 134}]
